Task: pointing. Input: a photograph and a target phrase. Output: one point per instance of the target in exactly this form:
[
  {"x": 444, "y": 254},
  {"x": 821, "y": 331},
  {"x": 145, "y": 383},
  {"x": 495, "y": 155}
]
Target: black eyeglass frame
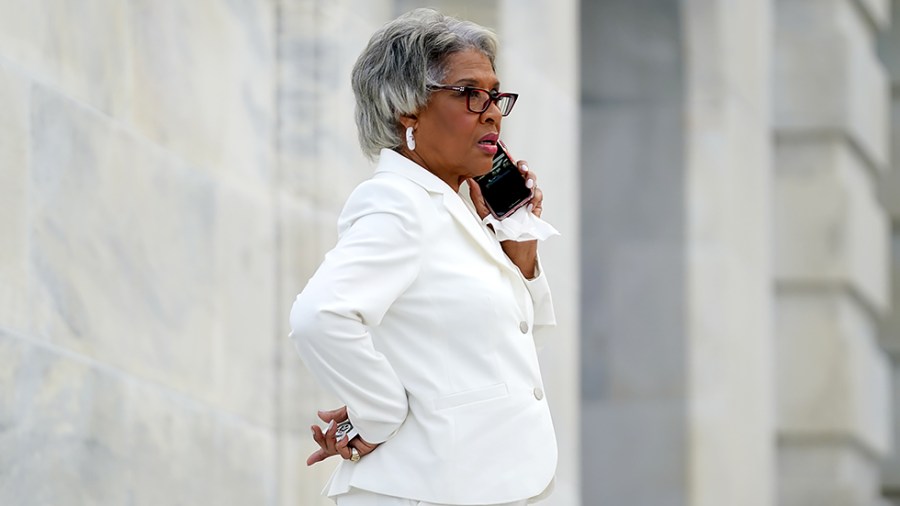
[{"x": 493, "y": 96}]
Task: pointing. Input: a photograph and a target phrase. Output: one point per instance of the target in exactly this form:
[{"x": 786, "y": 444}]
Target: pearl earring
[{"x": 410, "y": 140}]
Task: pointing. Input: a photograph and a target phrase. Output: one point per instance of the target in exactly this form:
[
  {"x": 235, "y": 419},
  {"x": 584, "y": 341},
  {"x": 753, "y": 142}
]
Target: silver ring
[{"x": 354, "y": 455}]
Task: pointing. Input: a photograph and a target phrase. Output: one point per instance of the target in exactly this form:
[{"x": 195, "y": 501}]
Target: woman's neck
[{"x": 452, "y": 182}]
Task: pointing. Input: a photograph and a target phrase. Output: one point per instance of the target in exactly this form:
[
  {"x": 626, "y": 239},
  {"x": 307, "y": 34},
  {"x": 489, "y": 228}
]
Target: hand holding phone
[{"x": 503, "y": 188}]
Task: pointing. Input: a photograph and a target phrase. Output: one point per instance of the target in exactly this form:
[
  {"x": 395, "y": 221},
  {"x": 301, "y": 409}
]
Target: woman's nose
[{"x": 492, "y": 113}]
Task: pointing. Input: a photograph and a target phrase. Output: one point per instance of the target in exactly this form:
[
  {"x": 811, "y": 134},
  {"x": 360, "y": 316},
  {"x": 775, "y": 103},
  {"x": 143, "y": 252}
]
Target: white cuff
[{"x": 521, "y": 225}]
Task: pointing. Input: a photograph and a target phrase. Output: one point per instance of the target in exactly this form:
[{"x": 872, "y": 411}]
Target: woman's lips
[
  {"x": 488, "y": 143},
  {"x": 487, "y": 147}
]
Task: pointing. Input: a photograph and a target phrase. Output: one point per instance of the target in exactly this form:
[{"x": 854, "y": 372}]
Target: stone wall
[
  {"x": 889, "y": 194},
  {"x": 831, "y": 251},
  {"x": 137, "y": 330},
  {"x": 737, "y": 195}
]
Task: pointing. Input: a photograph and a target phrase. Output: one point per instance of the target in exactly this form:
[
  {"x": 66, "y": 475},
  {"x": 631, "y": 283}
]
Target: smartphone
[{"x": 504, "y": 187}]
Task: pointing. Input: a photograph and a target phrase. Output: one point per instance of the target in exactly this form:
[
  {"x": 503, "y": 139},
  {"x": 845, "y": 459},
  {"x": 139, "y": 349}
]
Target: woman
[{"x": 419, "y": 319}]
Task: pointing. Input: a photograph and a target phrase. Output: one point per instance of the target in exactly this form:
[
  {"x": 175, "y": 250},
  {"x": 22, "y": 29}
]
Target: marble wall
[{"x": 137, "y": 336}]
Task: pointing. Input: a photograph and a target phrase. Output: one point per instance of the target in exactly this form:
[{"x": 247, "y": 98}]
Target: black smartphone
[{"x": 504, "y": 187}]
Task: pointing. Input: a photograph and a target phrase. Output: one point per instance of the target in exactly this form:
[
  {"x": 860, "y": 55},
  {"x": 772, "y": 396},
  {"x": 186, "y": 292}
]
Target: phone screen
[{"x": 503, "y": 187}]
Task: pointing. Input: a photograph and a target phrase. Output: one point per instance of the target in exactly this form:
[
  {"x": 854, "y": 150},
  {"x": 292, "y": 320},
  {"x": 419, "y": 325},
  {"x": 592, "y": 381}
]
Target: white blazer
[{"x": 420, "y": 323}]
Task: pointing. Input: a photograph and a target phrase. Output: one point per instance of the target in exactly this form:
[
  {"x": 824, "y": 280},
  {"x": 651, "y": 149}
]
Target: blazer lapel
[
  {"x": 391, "y": 161},
  {"x": 470, "y": 222}
]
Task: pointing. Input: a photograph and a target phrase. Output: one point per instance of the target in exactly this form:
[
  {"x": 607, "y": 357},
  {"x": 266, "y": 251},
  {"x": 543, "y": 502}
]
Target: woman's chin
[{"x": 483, "y": 167}]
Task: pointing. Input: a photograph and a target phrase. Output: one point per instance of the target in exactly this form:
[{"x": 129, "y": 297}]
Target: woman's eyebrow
[{"x": 472, "y": 82}]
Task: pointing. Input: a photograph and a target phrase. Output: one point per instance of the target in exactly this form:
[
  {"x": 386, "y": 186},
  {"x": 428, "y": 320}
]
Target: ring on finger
[{"x": 354, "y": 455}]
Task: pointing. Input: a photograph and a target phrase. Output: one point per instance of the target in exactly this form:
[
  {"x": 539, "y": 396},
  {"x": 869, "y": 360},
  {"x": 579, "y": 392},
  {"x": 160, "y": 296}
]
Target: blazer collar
[{"x": 392, "y": 162}]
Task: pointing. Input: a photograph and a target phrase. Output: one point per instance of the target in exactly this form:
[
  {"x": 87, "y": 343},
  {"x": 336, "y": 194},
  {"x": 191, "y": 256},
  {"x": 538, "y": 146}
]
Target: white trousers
[{"x": 357, "y": 497}]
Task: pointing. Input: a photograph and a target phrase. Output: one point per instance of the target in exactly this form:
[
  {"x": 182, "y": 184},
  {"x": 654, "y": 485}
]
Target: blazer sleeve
[{"x": 377, "y": 257}]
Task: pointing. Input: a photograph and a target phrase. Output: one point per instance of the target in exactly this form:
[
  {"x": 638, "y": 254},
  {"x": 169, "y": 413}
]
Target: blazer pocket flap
[{"x": 471, "y": 396}]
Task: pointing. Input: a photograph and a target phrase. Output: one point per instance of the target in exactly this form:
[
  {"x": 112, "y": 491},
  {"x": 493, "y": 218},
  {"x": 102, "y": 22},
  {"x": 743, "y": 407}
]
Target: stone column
[
  {"x": 890, "y": 339},
  {"x": 889, "y": 193},
  {"x": 676, "y": 319},
  {"x": 539, "y": 60},
  {"x": 727, "y": 188},
  {"x": 831, "y": 251}
]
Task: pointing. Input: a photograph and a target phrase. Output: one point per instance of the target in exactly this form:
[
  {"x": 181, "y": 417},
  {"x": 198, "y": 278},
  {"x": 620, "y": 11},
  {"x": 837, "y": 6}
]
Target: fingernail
[
  {"x": 529, "y": 184},
  {"x": 530, "y": 207},
  {"x": 524, "y": 168}
]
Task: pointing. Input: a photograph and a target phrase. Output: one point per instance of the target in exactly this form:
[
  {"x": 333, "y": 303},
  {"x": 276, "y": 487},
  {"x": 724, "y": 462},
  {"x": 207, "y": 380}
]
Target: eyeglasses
[{"x": 478, "y": 100}]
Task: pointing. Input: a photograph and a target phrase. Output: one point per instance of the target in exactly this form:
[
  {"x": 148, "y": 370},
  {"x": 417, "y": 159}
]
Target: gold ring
[{"x": 354, "y": 455}]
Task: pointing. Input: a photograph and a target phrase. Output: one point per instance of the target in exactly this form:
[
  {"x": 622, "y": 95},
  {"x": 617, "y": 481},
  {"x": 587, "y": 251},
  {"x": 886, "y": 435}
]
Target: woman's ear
[{"x": 408, "y": 121}]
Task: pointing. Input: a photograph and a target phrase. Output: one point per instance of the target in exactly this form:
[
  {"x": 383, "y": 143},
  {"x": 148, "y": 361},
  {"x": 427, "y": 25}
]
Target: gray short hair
[{"x": 392, "y": 76}]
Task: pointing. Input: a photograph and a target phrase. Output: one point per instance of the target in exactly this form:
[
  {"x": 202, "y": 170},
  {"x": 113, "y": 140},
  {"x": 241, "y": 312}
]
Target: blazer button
[
  {"x": 538, "y": 393},
  {"x": 523, "y": 326}
]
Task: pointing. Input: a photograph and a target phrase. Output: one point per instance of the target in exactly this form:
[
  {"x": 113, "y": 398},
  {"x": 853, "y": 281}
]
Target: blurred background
[{"x": 724, "y": 174}]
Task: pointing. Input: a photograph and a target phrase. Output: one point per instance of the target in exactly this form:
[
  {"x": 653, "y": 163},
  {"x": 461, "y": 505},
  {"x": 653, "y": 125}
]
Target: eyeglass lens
[{"x": 479, "y": 101}]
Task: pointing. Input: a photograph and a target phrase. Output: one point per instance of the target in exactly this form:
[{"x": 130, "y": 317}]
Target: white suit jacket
[{"x": 420, "y": 323}]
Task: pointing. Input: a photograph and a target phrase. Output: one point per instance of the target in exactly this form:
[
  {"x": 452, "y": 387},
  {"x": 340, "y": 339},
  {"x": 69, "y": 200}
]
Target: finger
[
  {"x": 331, "y": 440},
  {"x": 537, "y": 203},
  {"x": 478, "y": 199},
  {"x": 335, "y": 415},
  {"x": 343, "y": 449},
  {"x": 538, "y": 199},
  {"x": 527, "y": 173},
  {"x": 322, "y": 441},
  {"x": 316, "y": 456},
  {"x": 318, "y": 437},
  {"x": 362, "y": 446}
]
